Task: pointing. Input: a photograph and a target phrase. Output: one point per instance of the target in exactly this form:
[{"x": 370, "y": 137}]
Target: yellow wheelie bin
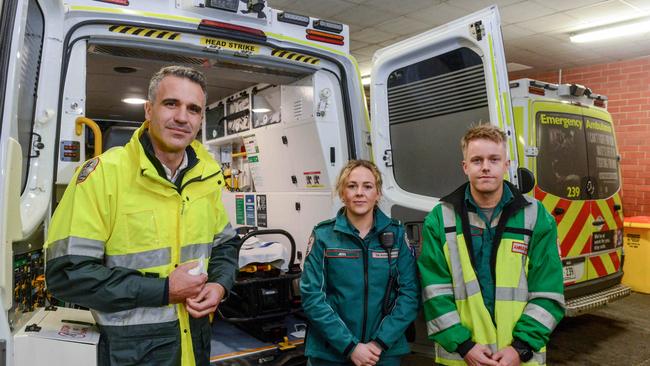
[{"x": 636, "y": 270}]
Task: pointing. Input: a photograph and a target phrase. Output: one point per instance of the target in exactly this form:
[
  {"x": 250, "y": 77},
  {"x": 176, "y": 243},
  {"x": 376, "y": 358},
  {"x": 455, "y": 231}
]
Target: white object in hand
[{"x": 199, "y": 269}]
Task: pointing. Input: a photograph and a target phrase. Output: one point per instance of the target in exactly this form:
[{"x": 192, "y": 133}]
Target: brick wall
[{"x": 627, "y": 85}]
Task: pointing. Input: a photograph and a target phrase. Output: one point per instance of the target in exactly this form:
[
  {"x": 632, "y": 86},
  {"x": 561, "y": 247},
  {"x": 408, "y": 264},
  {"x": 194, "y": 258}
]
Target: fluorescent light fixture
[
  {"x": 261, "y": 110},
  {"x": 365, "y": 80},
  {"x": 134, "y": 100},
  {"x": 634, "y": 27}
]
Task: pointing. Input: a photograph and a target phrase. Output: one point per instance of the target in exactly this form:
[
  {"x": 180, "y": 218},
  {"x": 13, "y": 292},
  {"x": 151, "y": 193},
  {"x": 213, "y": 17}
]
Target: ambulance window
[
  {"x": 603, "y": 161},
  {"x": 30, "y": 60},
  {"x": 562, "y": 165},
  {"x": 431, "y": 104}
]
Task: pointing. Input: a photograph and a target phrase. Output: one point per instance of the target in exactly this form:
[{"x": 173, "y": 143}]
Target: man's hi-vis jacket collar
[{"x": 203, "y": 169}]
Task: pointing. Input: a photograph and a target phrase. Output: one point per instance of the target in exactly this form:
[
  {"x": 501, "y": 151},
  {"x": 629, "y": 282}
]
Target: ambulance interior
[
  {"x": 276, "y": 127},
  {"x": 261, "y": 124}
]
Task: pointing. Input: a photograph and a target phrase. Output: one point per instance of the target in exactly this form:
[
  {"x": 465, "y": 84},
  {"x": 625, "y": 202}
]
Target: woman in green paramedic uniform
[{"x": 359, "y": 285}]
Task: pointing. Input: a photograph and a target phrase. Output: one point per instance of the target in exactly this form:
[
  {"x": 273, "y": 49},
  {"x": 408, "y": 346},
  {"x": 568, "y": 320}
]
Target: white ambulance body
[{"x": 286, "y": 112}]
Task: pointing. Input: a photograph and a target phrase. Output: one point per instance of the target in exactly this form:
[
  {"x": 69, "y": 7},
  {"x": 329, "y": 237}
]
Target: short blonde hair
[
  {"x": 349, "y": 167},
  {"x": 483, "y": 131}
]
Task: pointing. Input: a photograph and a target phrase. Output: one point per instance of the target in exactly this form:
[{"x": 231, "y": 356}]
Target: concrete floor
[{"x": 618, "y": 334}]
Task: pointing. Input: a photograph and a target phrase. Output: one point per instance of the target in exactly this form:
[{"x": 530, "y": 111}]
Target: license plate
[
  {"x": 569, "y": 274},
  {"x": 574, "y": 269}
]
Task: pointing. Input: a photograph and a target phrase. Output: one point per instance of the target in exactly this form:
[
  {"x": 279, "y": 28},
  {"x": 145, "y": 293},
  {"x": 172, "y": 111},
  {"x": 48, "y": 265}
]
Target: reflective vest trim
[
  {"x": 195, "y": 251},
  {"x": 146, "y": 259},
  {"x": 73, "y": 245},
  {"x": 137, "y": 316},
  {"x": 548, "y": 295},
  {"x": 443, "y": 322},
  {"x": 541, "y": 315},
  {"x": 431, "y": 291},
  {"x": 226, "y": 234}
]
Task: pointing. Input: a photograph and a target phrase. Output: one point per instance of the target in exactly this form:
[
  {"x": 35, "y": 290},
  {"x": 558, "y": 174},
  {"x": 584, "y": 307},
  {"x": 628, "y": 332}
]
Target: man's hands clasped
[
  {"x": 200, "y": 297},
  {"x": 481, "y": 355}
]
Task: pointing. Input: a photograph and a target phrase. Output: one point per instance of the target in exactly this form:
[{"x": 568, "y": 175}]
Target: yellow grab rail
[{"x": 79, "y": 122}]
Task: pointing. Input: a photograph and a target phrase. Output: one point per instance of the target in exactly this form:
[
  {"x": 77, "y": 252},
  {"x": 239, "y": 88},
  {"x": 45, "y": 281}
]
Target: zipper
[
  {"x": 197, "y": 179},
  {"x": 365, "y": 292}
]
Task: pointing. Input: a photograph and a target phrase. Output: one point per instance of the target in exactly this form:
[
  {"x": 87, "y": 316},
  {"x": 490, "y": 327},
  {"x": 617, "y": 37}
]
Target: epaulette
[{"x": 323, "y": 223}]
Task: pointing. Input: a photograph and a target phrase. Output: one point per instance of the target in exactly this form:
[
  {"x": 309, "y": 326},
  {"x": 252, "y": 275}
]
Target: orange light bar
[
  {"x": 535, "y": 90},
  {"x": 325, "y": 37},
  {"x": 211, "y": 24}
]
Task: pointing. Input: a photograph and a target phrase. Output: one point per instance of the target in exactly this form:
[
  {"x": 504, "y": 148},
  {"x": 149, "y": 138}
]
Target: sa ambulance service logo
[
  {"x": 519, "y": 247},
  {"x": 87, "y": 169}
]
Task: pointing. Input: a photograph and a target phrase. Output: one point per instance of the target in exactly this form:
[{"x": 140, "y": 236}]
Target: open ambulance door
[
  {"x": 425, "y": 93},
  {"x": 30, "y": 55}
]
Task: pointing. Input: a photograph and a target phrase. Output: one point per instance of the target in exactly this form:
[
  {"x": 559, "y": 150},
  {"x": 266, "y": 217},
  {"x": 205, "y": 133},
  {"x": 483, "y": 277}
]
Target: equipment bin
[{"x": 636, "y": 270}]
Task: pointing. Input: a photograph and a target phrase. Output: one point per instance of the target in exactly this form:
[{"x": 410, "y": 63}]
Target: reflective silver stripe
[
  {"x": 137, "y": 316},
  {"x": 226, "y": 234},
  {"x": 462, "y": 290},
  {"x": 449, "y": 220},
  {"x": 149, "y": 258},
  {"x": 475, "y": 220},
  {"x": 510, "y": 294},
  {"x": 541, "y": 315},
  {"x": 558, "y": 298},
  {"x": 530, "y": 216},
  {"x": 195, "y": 251},
  {"x": 73, "y": 245},
  {"x": 539, "y": 358},
  {"x": 443, "y": 322},
  {"x": 431, "y": 291}
]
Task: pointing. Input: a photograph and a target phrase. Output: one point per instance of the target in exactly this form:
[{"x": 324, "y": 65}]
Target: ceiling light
[
  {"x": 261, "y": 110},
  {"x": 634, "y": 27},
  {"x": 365, "y": 80},
  {"x": 134, "y": 100}
]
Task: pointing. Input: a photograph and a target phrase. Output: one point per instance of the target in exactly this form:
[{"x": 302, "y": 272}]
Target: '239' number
[{"x": 573, "y": 192}]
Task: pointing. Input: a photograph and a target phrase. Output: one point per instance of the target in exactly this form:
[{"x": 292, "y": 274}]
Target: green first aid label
[{"x": 239, "y": 210}]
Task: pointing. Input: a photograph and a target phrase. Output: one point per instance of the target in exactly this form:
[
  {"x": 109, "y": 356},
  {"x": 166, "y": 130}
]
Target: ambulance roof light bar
[
  {"x": 574, "y": 90},
  {"x": 212, "y": 25},
  {"x": 293, "y": 18},
  {"x": 324, "y": 37}
]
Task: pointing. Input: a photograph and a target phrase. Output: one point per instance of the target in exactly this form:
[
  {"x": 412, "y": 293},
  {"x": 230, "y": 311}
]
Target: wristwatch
[{"x": 523, "y": 349}]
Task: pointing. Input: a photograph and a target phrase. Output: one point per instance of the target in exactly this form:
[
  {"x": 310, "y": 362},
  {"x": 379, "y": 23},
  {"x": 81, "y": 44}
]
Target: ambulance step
[{"x": 587, "y": 303}]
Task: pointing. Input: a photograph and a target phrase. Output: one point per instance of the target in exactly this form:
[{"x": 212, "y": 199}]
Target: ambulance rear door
[
  {"x": 425, "y": 93},
  {"x": 578, "y": 182}
]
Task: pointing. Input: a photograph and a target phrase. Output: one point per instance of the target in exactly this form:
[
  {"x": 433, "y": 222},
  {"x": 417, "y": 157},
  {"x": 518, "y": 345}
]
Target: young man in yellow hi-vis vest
[
  {"x": 490, "y": 268},
  {"x": 141, "y": 236}
]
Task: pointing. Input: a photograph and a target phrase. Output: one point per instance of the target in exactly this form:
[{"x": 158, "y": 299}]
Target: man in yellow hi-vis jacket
[
  {"x": 490, "y": 269},
  {"x": 141, "y": 236}
]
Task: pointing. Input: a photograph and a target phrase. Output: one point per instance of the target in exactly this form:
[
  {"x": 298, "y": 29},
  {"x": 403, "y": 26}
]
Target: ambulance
[
  {"x": 286, "y": 111},
  {"x": 566, "y": 137}
]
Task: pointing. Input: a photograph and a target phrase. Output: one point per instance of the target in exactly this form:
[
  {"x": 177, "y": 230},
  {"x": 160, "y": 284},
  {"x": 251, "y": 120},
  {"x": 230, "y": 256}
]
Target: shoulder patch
[
  {"x": 310, "y": 243},
  {"x": 87, "y": 169}
]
